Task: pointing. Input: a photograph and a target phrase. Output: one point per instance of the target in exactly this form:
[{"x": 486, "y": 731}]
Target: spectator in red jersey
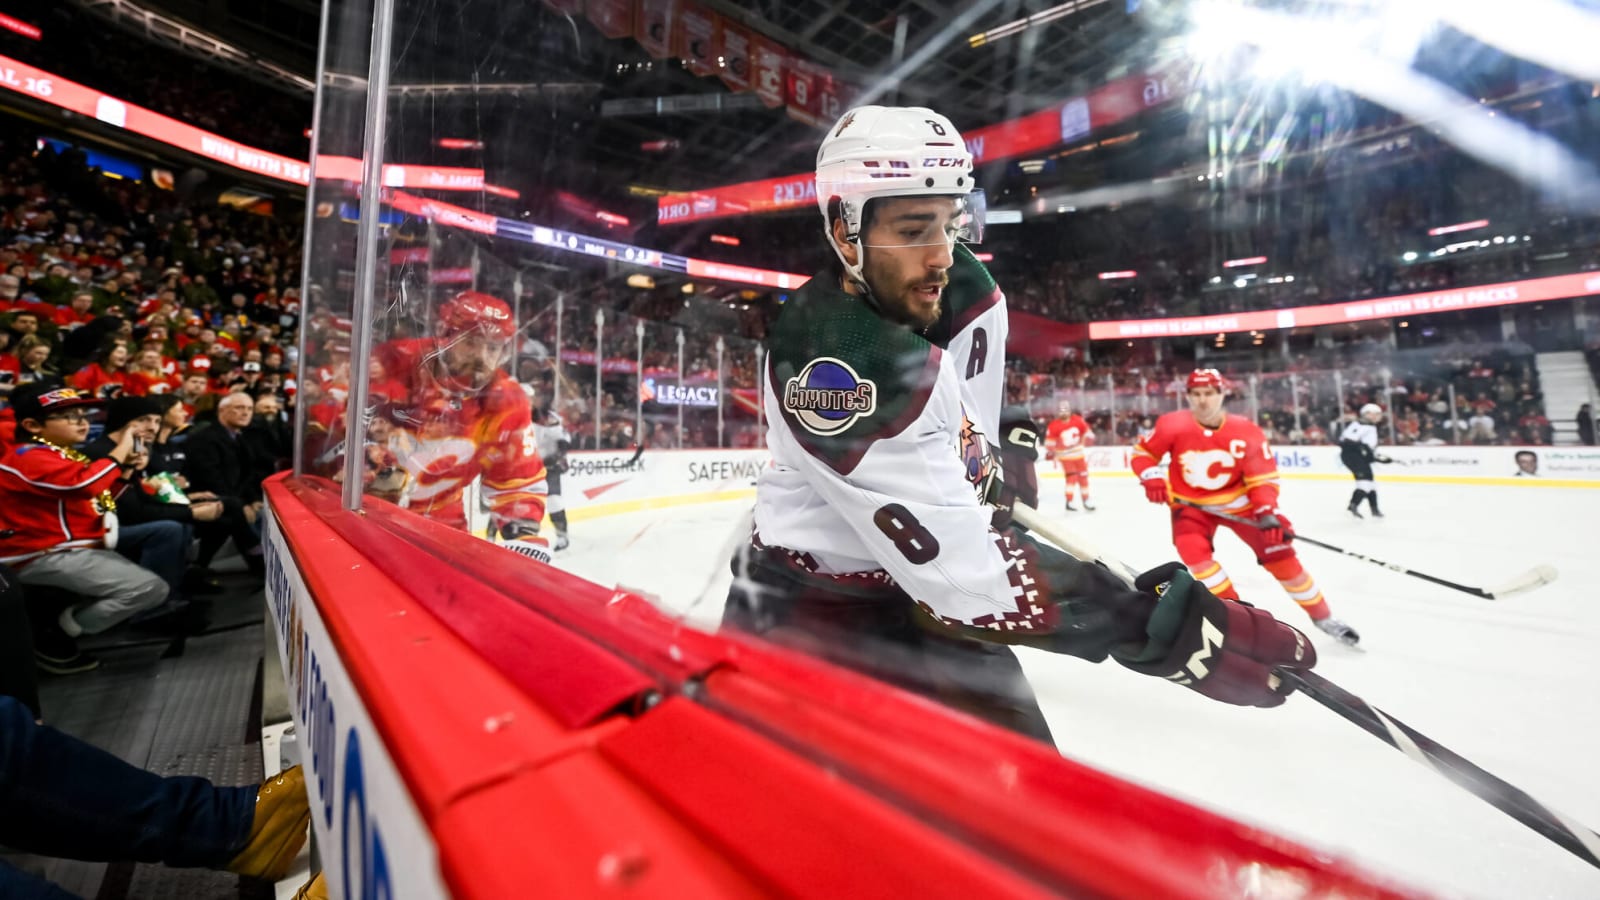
[
  {"x": 382, "y": 388},
  {"x": 1534, "y": 426},
  {"x": 77, "y": 313},
  {"x": 53, "y": 502},
  {"x": 104, "y": 378},
  {"x": 145, "y": 375}
]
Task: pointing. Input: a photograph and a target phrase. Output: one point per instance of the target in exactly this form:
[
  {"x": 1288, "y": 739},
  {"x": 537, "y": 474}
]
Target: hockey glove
[
  {"x": 1219, "y": 648},
  {"x": 1382, "y": 459},
  {"x": 1155, "y": 490},
  {"x": 522, "y": 537},
  {"x": 1018, "y": 453},
  {"x": 1274, "y": 525}
]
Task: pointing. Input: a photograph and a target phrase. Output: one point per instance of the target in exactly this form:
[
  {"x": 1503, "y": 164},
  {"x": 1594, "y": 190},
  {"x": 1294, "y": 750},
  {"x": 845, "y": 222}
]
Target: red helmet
[
  {"x": 1206, "y": 378},
  {"x": 472, "y": 309}
]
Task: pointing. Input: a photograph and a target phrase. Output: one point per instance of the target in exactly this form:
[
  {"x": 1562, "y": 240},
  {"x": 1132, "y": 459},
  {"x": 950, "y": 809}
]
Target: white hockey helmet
[
  {"x": 1371, "y": 412},
  {"x": 878, "y": 152}
]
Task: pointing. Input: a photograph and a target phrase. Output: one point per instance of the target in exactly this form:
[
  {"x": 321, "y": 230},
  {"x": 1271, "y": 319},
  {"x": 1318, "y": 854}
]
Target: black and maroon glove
[
  {"x": 1222, "y": 649},
  {"x": 1017, "y": 451}
]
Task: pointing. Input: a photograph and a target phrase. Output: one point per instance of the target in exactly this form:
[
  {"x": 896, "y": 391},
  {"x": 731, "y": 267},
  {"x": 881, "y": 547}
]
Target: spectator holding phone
[{"x": 54, "y": 506}]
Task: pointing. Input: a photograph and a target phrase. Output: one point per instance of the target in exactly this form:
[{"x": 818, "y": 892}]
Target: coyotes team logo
[{"x": 827, "y": 397}]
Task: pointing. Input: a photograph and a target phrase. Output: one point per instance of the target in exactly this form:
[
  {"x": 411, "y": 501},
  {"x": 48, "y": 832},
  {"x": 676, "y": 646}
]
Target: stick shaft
[
  {"x": 1575, "y": 838},
  {"x": 1393, "y": 567}
]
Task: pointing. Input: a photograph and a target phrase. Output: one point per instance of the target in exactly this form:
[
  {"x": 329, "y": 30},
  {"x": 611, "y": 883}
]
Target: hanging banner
[
  {"x": 698, "y": 38},
  {"x": 614, "y": 18},
  {"x": 801, "y": 90},
  {"x": 652, "y": 26},
  {"x": 770, "y": 61},
  {"x": 735, "y": 57}
]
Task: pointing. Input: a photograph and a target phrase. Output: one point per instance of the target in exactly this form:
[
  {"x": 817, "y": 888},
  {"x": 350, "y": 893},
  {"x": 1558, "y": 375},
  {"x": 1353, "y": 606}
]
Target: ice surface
[{"x": 1513, "y": 685}]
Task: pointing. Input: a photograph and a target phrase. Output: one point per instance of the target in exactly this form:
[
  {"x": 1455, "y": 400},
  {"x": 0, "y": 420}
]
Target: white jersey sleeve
[{"x": 1360, "y": 433}]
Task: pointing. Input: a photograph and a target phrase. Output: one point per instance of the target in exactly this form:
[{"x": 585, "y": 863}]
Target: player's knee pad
[
  {"x": 1193, "y": 549},
  {"x": 1285, "y": 567}
]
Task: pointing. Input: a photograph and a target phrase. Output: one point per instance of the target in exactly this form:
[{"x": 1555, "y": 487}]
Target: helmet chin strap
[{"x": 856, "y": 274}]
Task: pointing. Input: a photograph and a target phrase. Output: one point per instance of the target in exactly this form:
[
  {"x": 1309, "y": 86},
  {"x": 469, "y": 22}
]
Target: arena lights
[
  {"x": 983, "y": 257},
  {"x": 1039, "y": 18},
  {"x": 1244, "y": 261},
  {"x": 17, "y": 26},
  {"x": 1459, "y": 226},
  {"x": 612, "y": 219},
  {"x": 460, "y": 144},
  {"x": 45, "y": 87},
  {"x": 499, "y": 191},
  {"x": 1113, "y": 276},
  {"x": 1532, "y": 290},
  {"x": 729, "y": 240}
]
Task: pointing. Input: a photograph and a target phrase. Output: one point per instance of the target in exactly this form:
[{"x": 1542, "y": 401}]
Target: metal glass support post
[
  {"x": 680, "y": 385},
  {"x": 638, "y": 372},
  {"x": 599, "y": 366},
  {"x": 555, "y": 400},
  {"x": 367, "y": 237},
  {"x": 761, "y": 394},
  {"x": 720, "y": 383},
  {"x": 305, "y": 251}
]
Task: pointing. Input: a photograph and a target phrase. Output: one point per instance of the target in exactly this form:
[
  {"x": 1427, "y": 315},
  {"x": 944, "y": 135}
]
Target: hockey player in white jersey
[
  {"x": 1358, "y": 450},
  {"x": 873, "y": 545},
  {"x": 553, "y": 441}
]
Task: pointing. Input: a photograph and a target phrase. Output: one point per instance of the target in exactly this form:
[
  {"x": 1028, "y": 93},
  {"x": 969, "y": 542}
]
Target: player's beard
[{"x": 905, "y": 300}]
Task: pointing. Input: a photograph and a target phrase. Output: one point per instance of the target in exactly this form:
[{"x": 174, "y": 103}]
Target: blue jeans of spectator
[
  {"x": 162, "y": 547},
  {"x": 62, "y": 797}
]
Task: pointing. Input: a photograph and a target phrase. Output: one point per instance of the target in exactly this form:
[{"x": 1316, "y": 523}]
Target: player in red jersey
[
  {"x": 1064, "y": 442},
  {"x": 1224, "y": 464},
  {"x": 464, "y": 417}
]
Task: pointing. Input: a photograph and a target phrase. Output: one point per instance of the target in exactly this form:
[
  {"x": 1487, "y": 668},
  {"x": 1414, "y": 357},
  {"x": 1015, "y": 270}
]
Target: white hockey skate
[
  {"x": 1339, "y": 630},
  {"x": 561, "y": 541}
]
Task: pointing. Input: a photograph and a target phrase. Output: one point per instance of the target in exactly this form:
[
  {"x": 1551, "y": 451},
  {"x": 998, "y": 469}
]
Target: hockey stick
[
  {"x": 1575, "y": 838},
  {"x": 1527, "y": 581}
]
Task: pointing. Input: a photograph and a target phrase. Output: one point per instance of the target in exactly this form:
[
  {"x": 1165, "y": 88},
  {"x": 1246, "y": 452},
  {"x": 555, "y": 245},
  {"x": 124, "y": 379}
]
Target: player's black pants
[
  {"x": 880, "y": 634},
  {"x": 1360, "y": 467}
]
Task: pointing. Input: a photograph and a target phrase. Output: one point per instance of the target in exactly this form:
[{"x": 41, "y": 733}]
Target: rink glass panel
[{"x": 634, "y": 355}]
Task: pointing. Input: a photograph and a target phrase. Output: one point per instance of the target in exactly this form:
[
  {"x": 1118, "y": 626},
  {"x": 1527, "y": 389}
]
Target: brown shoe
[
  {"x": 315, "y": 889},
  {"x": 278, "y": 830}
]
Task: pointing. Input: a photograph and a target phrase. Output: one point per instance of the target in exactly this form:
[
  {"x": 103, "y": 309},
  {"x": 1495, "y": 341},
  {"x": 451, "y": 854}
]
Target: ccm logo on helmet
[
  {"x": 827, "y": 397},
  {"x": 944, "y": 162}
]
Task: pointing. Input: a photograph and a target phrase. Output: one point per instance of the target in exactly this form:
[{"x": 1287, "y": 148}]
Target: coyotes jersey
[
  {"x": 1067, "y": 438},
  {"x": 1230, "y": 467},
  {"x": 53, "y": 500},
  {"x": 877, "y": 435},
  {"x": 1359, "y": 441},
  {"x": 456, "y": 438},
  {"x": 549, "y": 433}
]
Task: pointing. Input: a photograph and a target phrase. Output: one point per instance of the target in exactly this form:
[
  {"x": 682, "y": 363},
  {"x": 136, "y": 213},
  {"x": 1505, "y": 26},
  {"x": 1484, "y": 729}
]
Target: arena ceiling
[{"x": 572, "y": 70}]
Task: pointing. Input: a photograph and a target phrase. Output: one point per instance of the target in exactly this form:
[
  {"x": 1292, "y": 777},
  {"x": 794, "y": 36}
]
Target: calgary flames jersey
[
  {"x": 456, "y": 437},
  {"x": 1067, "y": 438},
  {"x": 1230, "y": 467}
]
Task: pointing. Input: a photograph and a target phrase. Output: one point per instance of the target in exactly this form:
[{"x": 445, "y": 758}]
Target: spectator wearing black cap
[
  {"x": 156, "y": 523},
  {"x": 53, "y": 506}
]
